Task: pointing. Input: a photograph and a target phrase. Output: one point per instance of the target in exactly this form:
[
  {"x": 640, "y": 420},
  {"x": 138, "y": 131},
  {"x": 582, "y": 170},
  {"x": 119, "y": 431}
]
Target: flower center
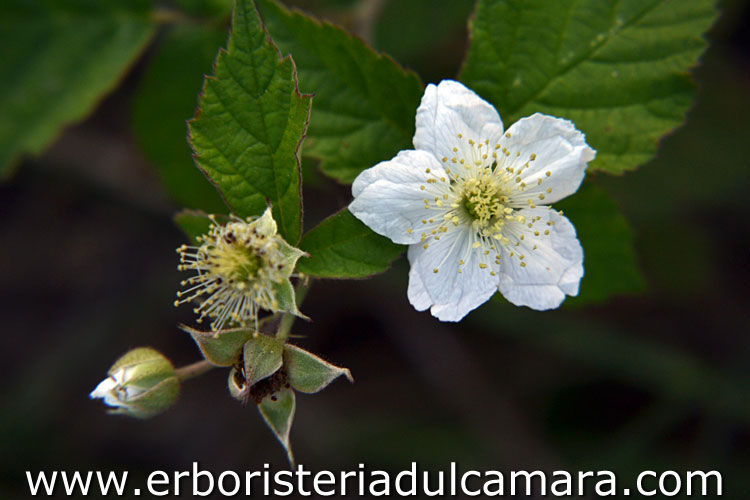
[
  {"x": 238, "y": 263},
  {"x": 239, "y": 266},
  {"x": 483, "y": 197}
]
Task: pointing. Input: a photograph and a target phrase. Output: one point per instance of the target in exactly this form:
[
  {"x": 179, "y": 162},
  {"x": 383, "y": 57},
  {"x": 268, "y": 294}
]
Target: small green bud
[{"x": 141, "y": 384}]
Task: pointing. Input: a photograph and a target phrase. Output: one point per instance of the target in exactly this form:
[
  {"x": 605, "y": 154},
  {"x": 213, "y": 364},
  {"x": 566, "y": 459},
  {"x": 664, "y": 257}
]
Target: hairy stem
[{"x": 193, "y": 370}]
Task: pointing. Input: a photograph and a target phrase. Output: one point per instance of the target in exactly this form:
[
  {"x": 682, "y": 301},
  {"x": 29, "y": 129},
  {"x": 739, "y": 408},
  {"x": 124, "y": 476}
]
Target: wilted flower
[
  {"x": 470, "y": 200},
  {"x": 242, "y": 266},
  {"x": 141, "y": 384}
]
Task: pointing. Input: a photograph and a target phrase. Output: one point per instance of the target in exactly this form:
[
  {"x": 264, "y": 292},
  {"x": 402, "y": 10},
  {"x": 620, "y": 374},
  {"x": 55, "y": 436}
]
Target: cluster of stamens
[
  {"x": 237, "y": 266},
  {"x": 484, "y": 186}
]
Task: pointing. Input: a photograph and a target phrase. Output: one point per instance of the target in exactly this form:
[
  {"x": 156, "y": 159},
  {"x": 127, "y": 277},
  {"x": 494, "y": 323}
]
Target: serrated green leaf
[
  {"x": 617, "y": 68},
  {"x": 609, "y": 261},
  {"x": 365, "y": 103},
  {"x": 165, "y": 99},
  {"x": 343, "y": 247},
  {"x": 220, "y": 348},
  {"x": 278, "y": 412},
  {"x": 308, "y": 373},
  {"x": 263, "y": 357},
  {"x": 193, "y": 223},
  {"x": 60, "y": 58},
  {"x": 250, "y": 124}
]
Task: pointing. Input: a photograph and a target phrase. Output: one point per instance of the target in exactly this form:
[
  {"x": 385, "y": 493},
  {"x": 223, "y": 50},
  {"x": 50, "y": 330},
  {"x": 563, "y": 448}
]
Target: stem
[
  {"x": 167, "y": 16},
  {"x": 193, "y": 370},
  {"x": 267, "y": 319},
  {"x": 288, "y": 319},
  {"x": 366, "y": 14}
]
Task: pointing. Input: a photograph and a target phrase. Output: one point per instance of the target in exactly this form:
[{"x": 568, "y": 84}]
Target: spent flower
[
  {"x": 241, "y": 267},
  {"x": 472, "y": 202},
  {"x": 142, "y": 383}
]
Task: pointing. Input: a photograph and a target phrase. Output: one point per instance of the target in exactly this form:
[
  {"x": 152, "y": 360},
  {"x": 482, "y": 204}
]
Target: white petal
[
  {"x": 389, "y": 197},
  {"x": 122, "y": 374},
  {"x": 106, "y": 391},
  {"x": 104, "y": 387},
  {"x": 450, "y": 294},
  {"x": 450, "y": 109},
  {"x": 417, "y": 293},
  {"x": 558, "y": 147},
  {"x": 551, "y": 271}
]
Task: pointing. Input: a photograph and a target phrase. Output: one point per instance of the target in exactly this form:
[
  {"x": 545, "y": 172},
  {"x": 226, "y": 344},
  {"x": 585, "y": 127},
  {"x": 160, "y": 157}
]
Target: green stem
[
  {"x": 267, "y": 319},
  {"x": 193, "y": 370},
  {"x": 167, "y": 16},
  {"x": 285, "y": 326}
]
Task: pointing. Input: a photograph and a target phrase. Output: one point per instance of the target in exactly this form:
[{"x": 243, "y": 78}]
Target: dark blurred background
[{"x": 655, "y": 381}]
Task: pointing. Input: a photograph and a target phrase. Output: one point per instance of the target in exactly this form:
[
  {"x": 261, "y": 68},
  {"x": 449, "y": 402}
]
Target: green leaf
[
  {"x": 193, "y": 223},
  {"x": 617, "y": 68},
  {"x": 365, "y": 103},
  {"x": 165, "y": 99},
  {"x": 262, "y": 356},
  {"x": 308, "y": 373},
  {"x": 609, "y": 262},
  {"x": 220, "y": 348},
  {"x": 250, "y": 124},
  {"x": 278, "y": 412},
  {"x": 59, "y": 59},
  {"x": 343, "y": 247}
]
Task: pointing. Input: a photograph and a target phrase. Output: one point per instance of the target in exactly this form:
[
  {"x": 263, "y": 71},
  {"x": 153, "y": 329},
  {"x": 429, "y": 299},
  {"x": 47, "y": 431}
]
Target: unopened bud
[{"x": 141, "y": 384}]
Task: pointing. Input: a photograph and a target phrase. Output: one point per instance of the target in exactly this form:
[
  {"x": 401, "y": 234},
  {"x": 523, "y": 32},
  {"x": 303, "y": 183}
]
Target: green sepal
[
  {"x": 152, "y": 402},
  {"x": 287, "y": 298},
  {"x": 262, "y": 356},
  {"x": 308, "y": 373},
  {"x": 222, "y": 348},
  {"x": 146, "y": 365},
  {"x": 278, "y": 412}
]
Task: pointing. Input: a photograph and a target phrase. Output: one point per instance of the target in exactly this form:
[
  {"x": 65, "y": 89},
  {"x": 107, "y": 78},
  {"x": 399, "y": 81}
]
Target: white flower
[
  {"x": 471, "y": 202},
  {"x": 241, "y": 267}
]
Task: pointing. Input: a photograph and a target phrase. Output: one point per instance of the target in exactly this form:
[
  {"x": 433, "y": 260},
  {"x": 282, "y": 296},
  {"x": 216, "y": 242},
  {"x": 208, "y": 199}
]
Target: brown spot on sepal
[{"x": 257, "y": 392}]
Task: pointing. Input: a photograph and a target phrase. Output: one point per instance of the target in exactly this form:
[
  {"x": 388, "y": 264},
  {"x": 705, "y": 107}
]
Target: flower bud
[{"x": 141, "y": 384}]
